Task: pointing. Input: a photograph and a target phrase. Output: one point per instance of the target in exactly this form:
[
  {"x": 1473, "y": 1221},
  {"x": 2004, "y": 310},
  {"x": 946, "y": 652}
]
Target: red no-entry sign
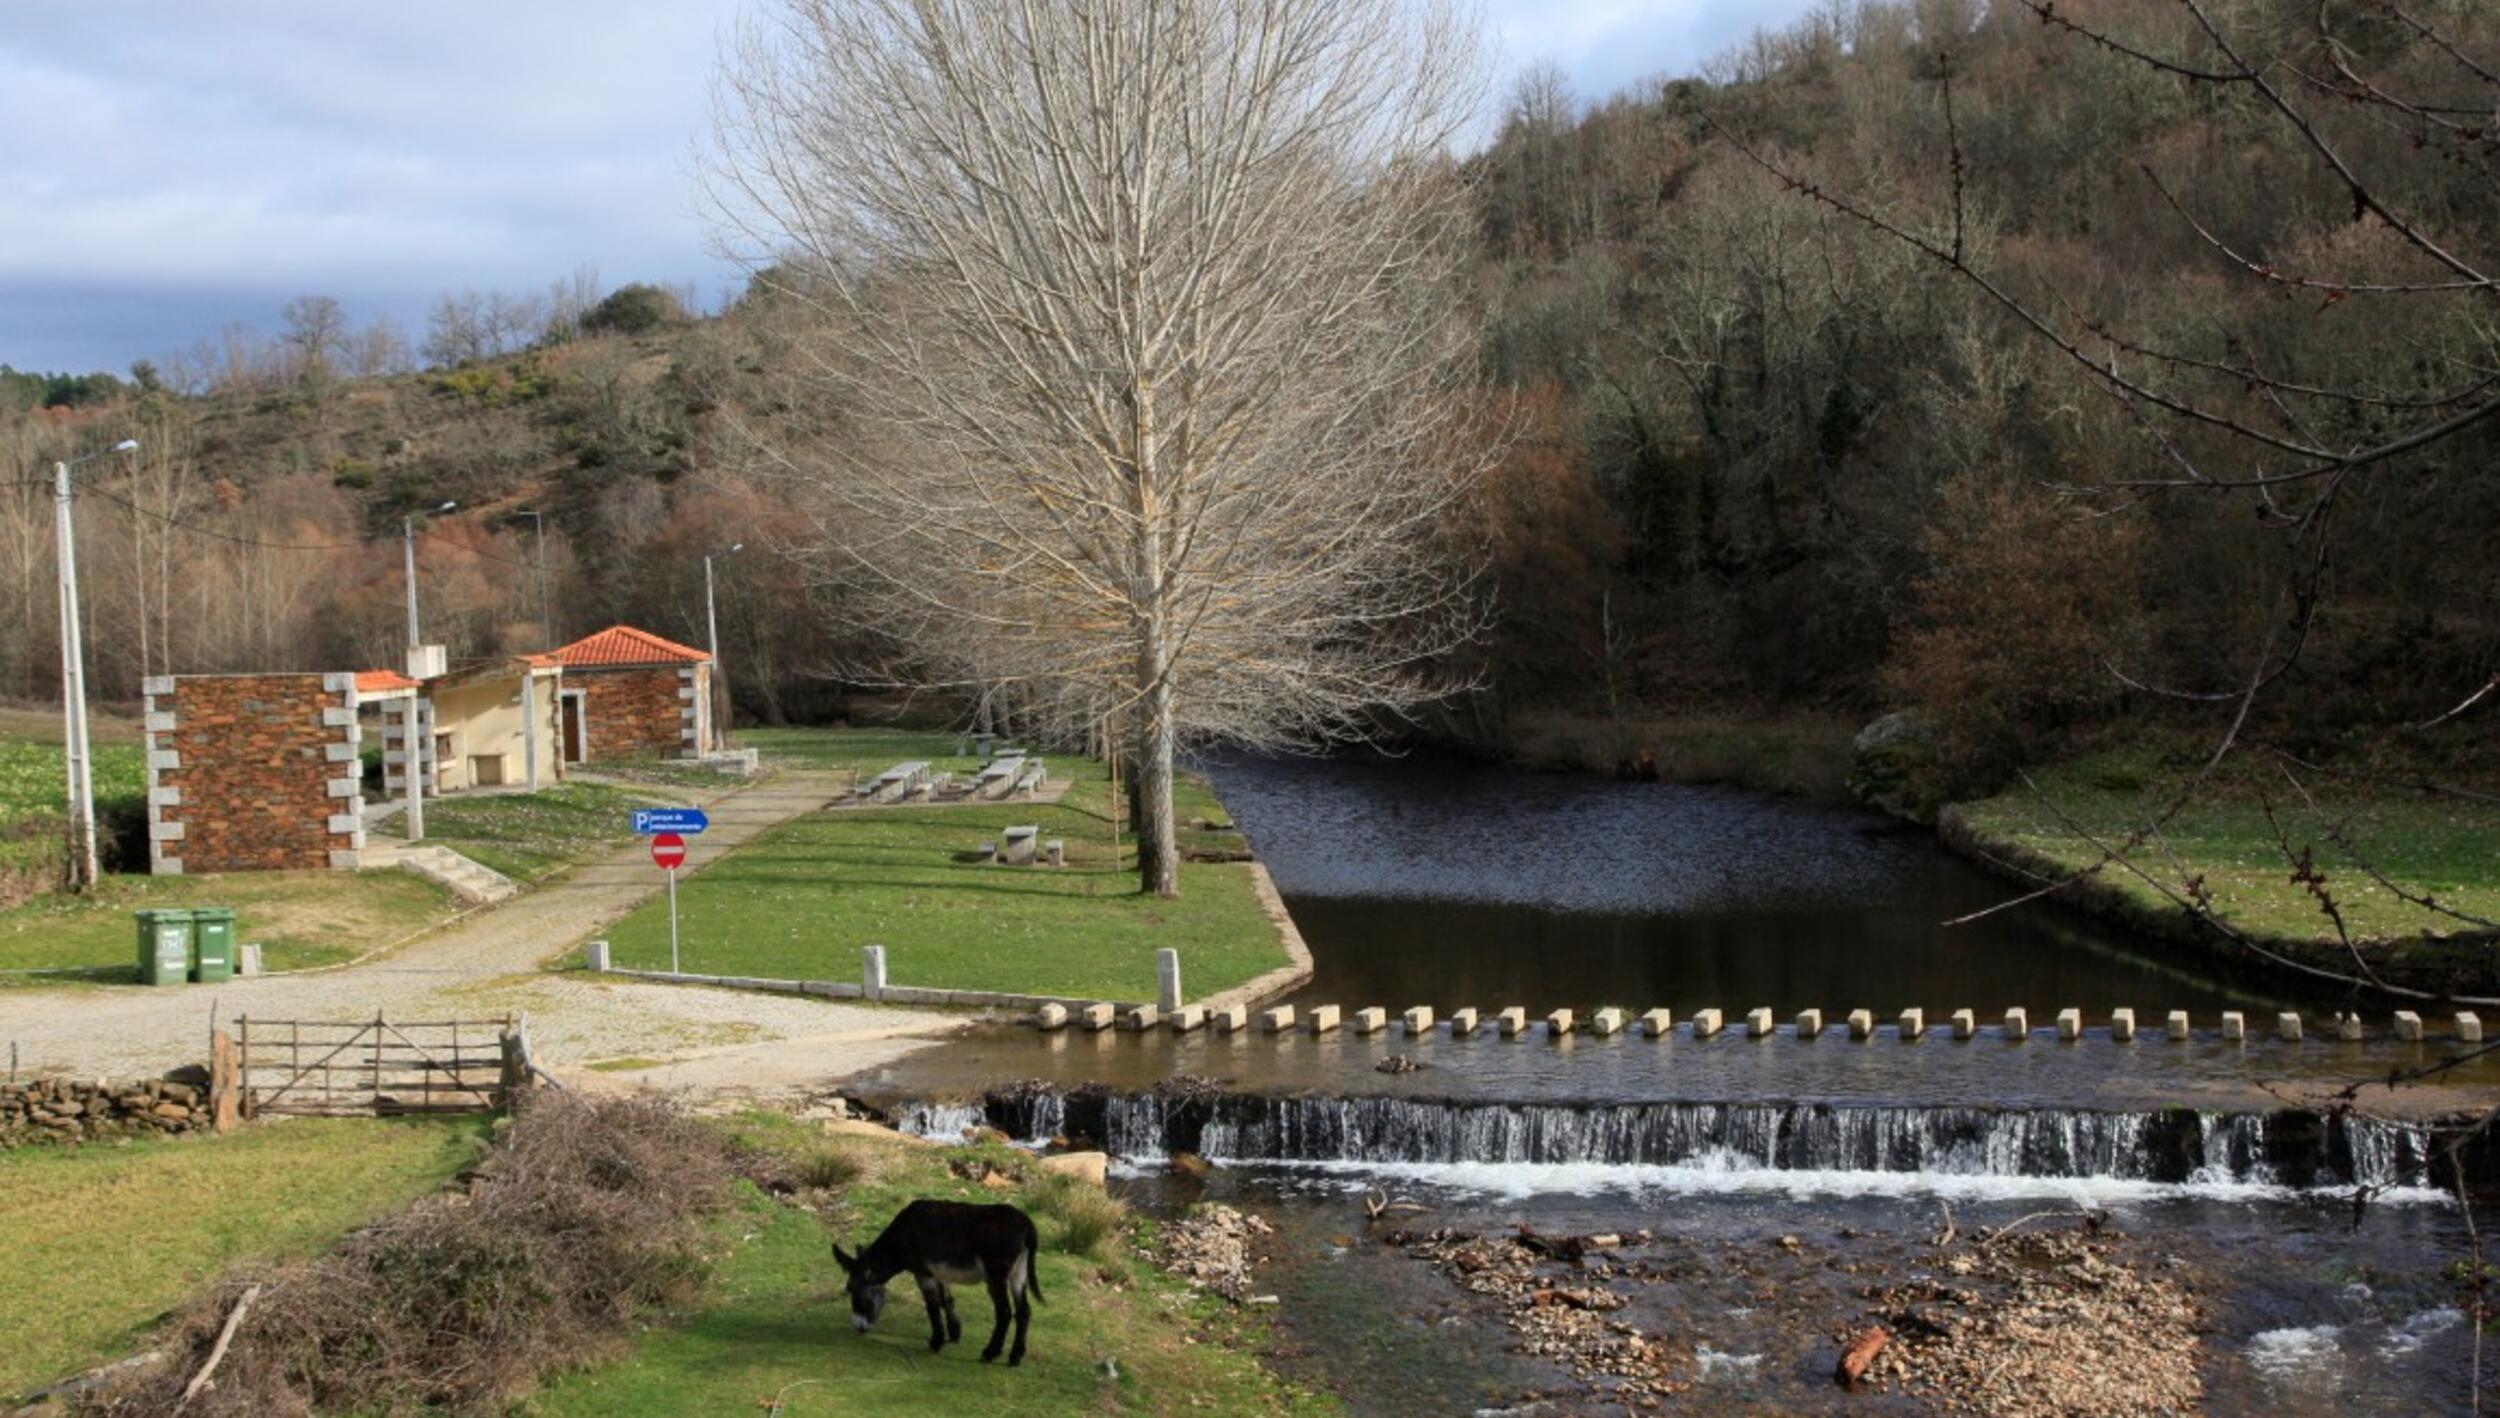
[{"x": 668, "y": 851}]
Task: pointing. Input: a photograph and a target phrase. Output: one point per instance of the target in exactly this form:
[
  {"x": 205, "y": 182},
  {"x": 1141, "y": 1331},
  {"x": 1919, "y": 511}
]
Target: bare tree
[
  {"x": 316, "y": 336},
  {"x": 381, "y": 348},
  {"x": 457, "y": 330},
  {"x": 1146, "y": 317}
]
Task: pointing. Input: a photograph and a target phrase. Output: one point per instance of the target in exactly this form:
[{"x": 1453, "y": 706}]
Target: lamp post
[
  {"x": 408, "y": 558},
  {"x": 711, "y": 630},
  {"x": 79, "y": 761}
]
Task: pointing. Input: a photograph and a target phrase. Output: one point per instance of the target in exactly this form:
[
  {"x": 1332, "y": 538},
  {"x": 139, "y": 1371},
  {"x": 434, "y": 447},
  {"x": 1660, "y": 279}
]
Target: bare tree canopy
[{"x": 1147, "y": 326}]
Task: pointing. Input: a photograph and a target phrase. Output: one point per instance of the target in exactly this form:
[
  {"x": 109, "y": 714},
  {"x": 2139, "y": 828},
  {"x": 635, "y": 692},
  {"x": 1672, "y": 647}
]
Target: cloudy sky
[{"x": 176, "y": 166}]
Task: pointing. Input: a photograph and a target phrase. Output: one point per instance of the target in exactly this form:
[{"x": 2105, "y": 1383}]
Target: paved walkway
[{"x": 488, "y": 964}]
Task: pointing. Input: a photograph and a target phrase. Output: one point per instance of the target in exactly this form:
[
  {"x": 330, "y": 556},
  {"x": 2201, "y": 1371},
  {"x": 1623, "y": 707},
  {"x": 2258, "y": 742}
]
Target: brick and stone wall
[
  {"x": 253, "y": 773},
  {"x": 641, "y": 712}
]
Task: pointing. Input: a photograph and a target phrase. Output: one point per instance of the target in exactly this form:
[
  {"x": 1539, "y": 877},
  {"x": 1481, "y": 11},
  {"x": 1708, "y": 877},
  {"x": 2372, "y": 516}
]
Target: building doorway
[{"x": 576, "y": 729}]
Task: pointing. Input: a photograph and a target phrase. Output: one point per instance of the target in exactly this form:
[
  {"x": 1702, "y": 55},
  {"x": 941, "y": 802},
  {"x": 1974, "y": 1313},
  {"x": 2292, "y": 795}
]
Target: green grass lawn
[
  {"x": 34, "y": 819},
  {"x": 775, "y": 1326},
  {"x": 299, "y": 919},
  {"x": 102, "y": 1241},
  {"x": 527, "y": 836},
  {"x": 2440, "y": 847},
  {"x": 801, "y": 900},
  {"x": 870, "y": 750}
]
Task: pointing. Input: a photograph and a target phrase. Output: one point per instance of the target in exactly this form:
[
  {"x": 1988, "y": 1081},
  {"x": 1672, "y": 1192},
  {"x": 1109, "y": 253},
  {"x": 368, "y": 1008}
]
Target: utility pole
[
  {"x": 711, "y": 630},
  {"x": 546, "y": 607},
  {"x": 408, "y": 561},
  {"x": 79, "y": 761}
]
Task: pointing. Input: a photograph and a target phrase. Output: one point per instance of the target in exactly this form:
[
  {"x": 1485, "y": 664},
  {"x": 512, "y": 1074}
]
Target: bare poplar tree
[{"x": 1146, "y": 332}]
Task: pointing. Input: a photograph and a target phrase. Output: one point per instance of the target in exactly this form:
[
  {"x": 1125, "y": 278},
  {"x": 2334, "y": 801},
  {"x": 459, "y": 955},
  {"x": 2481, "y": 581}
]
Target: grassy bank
[
  {"x": 773, "y": 1334},
  {"x": 2230, "y": 841},
  {"x": 800, "y": 901},
  {"x": 103, "y": 1240},
  {"x": 1799, "y": 753},
  {"x": 527, "y": 836},
  {"x": 300, "y": 919}
]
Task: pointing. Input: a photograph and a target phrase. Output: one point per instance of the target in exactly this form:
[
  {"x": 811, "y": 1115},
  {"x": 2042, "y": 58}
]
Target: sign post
[{"x": 668, "y": 853}]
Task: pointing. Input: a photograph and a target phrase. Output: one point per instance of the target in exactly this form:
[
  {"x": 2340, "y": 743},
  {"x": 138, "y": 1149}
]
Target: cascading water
[{"x": 2292, "y": 1149}]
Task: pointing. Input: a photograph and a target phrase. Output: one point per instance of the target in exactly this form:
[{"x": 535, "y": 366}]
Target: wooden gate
[{"x": 378, "y": 1066}]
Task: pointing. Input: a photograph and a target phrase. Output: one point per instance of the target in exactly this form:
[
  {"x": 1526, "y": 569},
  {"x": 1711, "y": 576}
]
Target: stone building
[
  {"x": 631, "y": 694},
  {"x": 253, "y": 772}
]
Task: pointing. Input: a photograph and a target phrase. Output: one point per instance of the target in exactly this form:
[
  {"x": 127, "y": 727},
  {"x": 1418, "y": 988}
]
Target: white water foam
[
  {"x": 1725, "y": 1174},
  {"x": 2405, "y": 1338},
  {"x": 2295, "y": 1355},
  {"x": 1716, "y": 1366}
]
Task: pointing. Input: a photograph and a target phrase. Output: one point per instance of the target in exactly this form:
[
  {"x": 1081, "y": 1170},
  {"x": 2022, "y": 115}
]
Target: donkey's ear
[{"x": 847, "y": 1262}]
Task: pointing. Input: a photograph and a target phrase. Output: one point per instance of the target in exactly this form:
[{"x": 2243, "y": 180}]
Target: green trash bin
[
  {"x": 164, "y": 946},
  {"x": 212, "y": 943}
]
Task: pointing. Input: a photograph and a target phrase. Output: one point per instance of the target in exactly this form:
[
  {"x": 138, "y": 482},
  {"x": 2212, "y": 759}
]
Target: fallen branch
[{"x": 217, "y": 1351}]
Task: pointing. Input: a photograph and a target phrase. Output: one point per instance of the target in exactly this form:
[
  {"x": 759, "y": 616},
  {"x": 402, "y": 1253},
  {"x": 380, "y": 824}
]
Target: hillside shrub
[{"x": 635, "y": 309}]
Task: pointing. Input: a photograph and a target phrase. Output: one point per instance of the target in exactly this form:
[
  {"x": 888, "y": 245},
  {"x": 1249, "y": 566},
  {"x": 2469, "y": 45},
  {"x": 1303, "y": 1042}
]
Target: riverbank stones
[
  {"x": 1231, "y": 1019},
  {"x": 2177, "y": 1025},
  {"x": 1321, "y": 1019},
  {"x": 1051, "y": 1016},
  {"x": 1558, "y": 1024},
  {"x": 1279, "y": 1020},
  {"x": 1144, "y": 1018},
  {"x": 1913, "y": 1024},
  {"x": 1462, "y": 1022},
  {"x": 1096, "y": 1017},
  {"x": 1758, "y": 1023},
  {"x": 1965, "y": 1024},
  {"x": 1658, "y": 1023},
  {"x": 1861, "y": 1025},
  {"x": 2069, "y": 1025},
  {"x": 2234, "y": 1026},
  {"x": 2017, "y": 1025},
  {"x": 1606, "y": 1022},
  {"x": 1512, "y": 1022},
  {"x": 2408, "y": 1026},
  {"x": 2122, "y": 1025},
  {"x": 2287, "y": 1027},
  {"x": 1706, "y": 1023},
  {"x": 1809, "y": 1024},
  {"x": 1370, "y": 1019},
  {"x": 1187, "y": 1018},
  {"x": 2469, "y": 1027}
]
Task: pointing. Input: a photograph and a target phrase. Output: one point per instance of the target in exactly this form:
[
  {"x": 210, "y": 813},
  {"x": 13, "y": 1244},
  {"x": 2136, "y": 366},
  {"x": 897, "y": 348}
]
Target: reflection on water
[{"x": 1435, "y": 881}]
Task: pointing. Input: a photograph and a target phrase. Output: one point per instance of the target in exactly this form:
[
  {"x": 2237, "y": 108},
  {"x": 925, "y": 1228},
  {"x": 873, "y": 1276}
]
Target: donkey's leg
[
  {"x": 1024, "y": 1307},
  {"x": 933, "y": 1295},
  {"x": 954, "y": 1326},
  {"x": 998, "y": 1306}
]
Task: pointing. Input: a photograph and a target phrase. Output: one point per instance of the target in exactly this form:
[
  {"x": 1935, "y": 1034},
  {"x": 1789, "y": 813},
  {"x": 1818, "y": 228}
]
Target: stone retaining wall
[{"x": 59, "y": 1110}]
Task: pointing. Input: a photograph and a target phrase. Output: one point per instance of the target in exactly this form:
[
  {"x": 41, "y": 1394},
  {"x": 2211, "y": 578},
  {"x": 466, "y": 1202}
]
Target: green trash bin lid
[
  {"x": 213, "y": 914},
  {"x": 168, "y": 915}
]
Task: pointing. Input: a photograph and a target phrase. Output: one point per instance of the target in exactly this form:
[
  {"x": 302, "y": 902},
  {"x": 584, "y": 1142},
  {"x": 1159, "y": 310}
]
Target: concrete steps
[{"x": 473, "y": 882}]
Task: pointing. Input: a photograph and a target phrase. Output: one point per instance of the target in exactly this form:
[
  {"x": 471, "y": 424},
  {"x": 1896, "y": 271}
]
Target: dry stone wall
[
  {"x": 59, "y": 1110},
  {"x": 640, "y": 712},
  {"x": 253, "y": 773}
]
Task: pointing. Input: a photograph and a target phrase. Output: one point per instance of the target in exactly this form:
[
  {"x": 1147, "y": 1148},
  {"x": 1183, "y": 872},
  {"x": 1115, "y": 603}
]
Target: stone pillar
[
  {"x": 1606, "y": 1021},
  {"x": 1322, "y": 1018},
  {"x": 1143, "y": 1018},
  {"x": 2348, "y": 1026},
  {"x": 1809, "y": 1025},
  {"x": 2122, "y": 1025},
  {"x": 1658, "y": 1023},
  {"x": 2408, "y": 1026},
  {"x": 2469, "y": 1027},
  {"x": 1187, "y": 1018},
  {"x": 595, "y": 957},
  {"x": 1370, "y": 1019},
  {"x": 2017, "y": 1025},
  {"x": 1419, "y": 1020},
  {"x": 872, "y": 973},
  {"x": 2287, "y": 1026},
  {"x": 1050, "y": 1017},
  {"x": 2176, "y": 1026},
  {"x": 1512, "y": 1022},
  {"x": 1861, "y": 1025},
  {"x": 1278, "y": 1020},
  {"x": 2234, "y": 1026},
  {"x": 1231, "y": 1019},
  {"x": 1096, "y": 1017},
  {"x": 1758, "y": 1023},
  {"x": 1462, "y": 1022},
  {"x": 1913, "y": 1024},
  {"x": 1558, "y": 1024},
  {"x": 1706, "y": 1023},
  {"x": 2070, "y": 1024},
  {"x": 1167, "y": 979},
  {"x": 1965, "y": 1024},
  {"x": 247, "y": 960}
]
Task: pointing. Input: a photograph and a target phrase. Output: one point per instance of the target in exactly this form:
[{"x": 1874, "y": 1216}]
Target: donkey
[{"x": 957, "y": 1243}]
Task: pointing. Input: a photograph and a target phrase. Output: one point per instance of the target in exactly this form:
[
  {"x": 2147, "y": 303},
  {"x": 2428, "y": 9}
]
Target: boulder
[
  {"x": 1094, "y": 1167},
  {"x": 1893, "y": 765}
]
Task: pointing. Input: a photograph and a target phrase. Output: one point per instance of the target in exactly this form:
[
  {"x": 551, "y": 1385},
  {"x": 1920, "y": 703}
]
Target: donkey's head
[{"x": 867, "y": 1288}]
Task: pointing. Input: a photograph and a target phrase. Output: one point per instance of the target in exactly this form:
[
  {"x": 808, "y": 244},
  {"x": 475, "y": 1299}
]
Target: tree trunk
[{"x": 1158, "y": 846}]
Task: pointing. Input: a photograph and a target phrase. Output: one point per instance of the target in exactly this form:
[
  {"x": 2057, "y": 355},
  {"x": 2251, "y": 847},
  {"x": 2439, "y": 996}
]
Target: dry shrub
[
  {"x": 831, "y": 1169},
  {"x": 585, "y": 1214},
  {"x": 1087, "y": 1215}
]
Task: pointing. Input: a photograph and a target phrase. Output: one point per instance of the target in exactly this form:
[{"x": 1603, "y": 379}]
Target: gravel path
[{"x": 487, "y": 964}]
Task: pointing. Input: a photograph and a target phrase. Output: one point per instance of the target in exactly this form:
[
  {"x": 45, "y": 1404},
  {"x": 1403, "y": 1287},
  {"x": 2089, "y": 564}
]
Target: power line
[{"x": 239, "y": 540}]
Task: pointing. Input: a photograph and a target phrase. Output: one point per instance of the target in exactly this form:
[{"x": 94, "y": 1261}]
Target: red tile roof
[
  {"x": 374, "y": 681},
  {"x": 623, "y": 645}
]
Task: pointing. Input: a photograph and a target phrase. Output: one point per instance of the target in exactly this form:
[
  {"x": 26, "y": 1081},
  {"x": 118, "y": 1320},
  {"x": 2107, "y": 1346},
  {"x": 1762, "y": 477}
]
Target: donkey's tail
[{"x": 1032, "y": 1261}]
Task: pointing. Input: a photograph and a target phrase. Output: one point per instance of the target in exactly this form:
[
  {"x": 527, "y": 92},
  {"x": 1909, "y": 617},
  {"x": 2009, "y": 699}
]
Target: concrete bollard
[
  {"x": 2017, "y": 1025},
  {"x": 2408, "y": 1026},
  {"x": 1913, "y": 1024},
  {"x": 1658, "y": 1023},
  {"x": 1758, "y": 1024},
  {"x": 1167, "y": 979},
  {"x": 1096, "y": 1017},
  {"x": 1370, "y": 1019},
  {"x": 2348, "y": 1026},
  {"x": 1861, "y": 1025},
  {"x": 1462, "y": 1022},
  {"x": 2234, "y": 1026},
  {"x": 594, "y": 957},
  {"x": 1606, "y": 1022},
  {"x": 2070, "y": 1024},
  {"x": 1419, "y": 1020},
  {"x": 1143, "y": 1018},
  {"x": 1965, "y": 1024},
  {"x": 1187, "y": 1018},
  {"x": 1809, "y": 1024},
  {"x": 1050, "y": 1016},
  {"x": 1511, "y": 1022},
  {"x": 2176, "y": 1026},
  {"x": 2287, "y": 1027},
  {"x": 247, "y": 959},
  {"x": 1321, "y": 1019},
  {"x": 2469, "y": 1027},
  {"x": 1705, "y": 1023},
  {"x": 1231, "y": 1019},
  {"x": 1558, "y": 1024},
  {"x": 872, "y": 972},
  {"x": 2122, "y": 1025},
  {"x": 1278, "y": 1020}
]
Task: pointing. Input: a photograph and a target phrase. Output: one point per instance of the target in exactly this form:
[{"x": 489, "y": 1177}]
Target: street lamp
[
  {"x": 408, "y": 554},
  {"x": 711, "y": 629},
  {"x": 80, "y": 762}
]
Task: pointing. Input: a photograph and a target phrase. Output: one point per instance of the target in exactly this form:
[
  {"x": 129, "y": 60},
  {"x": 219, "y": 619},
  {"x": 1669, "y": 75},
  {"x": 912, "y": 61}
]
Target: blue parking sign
[{"x": 652, "y": 821}]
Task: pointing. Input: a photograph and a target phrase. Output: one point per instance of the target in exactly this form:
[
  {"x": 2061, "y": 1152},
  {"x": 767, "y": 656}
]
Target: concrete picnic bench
[{"x": 897, "y": 783}]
